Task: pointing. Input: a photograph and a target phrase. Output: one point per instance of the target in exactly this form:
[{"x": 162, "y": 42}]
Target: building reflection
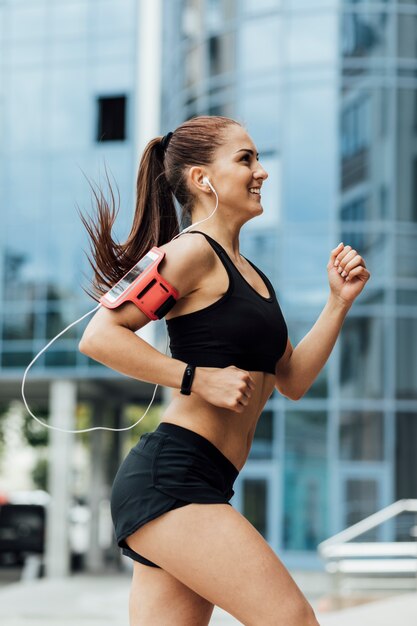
[{"x": 328, "y": 92}]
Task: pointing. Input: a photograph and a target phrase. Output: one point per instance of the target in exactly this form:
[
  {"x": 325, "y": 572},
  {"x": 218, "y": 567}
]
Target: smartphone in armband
[{"x": 145, "y": 287}]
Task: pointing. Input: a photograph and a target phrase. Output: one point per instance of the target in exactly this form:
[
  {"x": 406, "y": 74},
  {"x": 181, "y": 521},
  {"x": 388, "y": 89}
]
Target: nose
[{"x": 260, "y": 173}]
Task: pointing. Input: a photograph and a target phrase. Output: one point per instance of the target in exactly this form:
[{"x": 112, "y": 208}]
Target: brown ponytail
[{"x": 161, "y": 176}]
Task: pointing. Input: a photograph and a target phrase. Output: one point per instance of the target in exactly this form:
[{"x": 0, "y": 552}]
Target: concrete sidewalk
[
  {"x": 103, "y": 601},
  {"x": 400, "y": 609}
]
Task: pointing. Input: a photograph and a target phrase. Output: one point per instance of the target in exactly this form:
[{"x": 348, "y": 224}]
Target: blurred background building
[{"x": 328, "y": 91}]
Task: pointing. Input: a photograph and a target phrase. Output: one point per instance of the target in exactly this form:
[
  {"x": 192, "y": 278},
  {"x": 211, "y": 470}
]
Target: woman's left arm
[{"x": 298, "y": 368}]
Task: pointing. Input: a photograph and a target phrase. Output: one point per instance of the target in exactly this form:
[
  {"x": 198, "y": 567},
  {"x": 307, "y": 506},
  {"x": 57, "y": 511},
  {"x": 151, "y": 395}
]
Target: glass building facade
[
  {"x": 67, "y": 81},
  {"x": 328, "y": 92}
]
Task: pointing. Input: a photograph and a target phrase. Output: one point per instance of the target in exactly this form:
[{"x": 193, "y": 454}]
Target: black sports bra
[{"x": 242, "y": 328}]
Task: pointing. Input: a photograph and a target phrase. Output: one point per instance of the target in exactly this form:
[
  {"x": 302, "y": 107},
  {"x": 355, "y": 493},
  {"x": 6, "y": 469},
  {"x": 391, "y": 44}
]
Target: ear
[{"x": 195, "y": 178}]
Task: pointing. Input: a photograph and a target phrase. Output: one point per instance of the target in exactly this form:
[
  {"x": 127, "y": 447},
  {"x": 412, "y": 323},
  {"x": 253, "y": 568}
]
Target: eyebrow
[{"x": 247, "y": 150}]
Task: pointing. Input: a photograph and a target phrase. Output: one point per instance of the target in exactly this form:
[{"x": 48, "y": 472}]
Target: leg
[
  {"x": 159, "y": 599},
  {"x": 216, "y": 552}
]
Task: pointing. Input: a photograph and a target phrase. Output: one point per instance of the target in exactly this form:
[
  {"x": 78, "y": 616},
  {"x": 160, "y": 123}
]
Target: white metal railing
[{"x": 378, "y": 564}]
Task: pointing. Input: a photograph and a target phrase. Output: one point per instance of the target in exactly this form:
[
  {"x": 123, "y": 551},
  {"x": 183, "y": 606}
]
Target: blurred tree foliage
[
  {"x": 35, "y": 434},
  {"x": 133, "y": 412},
  {"x": 40, "y": 474}
]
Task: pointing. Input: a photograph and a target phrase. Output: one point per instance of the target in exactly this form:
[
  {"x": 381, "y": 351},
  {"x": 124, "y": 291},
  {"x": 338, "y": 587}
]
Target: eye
[{"x": 246, "y": 157}]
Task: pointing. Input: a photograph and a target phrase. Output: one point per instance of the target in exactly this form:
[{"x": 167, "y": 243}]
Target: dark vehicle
[{"x": 22, "y": 532}]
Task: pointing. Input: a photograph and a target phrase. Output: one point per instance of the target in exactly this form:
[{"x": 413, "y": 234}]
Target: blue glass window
[
  {"x": 259, "y": 45},
  {"x": 305, "y": 480}
]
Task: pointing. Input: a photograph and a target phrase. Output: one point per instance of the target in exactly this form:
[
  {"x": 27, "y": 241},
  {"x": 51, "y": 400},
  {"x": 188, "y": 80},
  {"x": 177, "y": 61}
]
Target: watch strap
[{"x": 187, "y": 380}]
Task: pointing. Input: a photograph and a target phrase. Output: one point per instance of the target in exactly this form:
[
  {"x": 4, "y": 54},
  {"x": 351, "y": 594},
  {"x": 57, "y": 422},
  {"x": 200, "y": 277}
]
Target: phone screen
[{"x": 130, "y": 277}]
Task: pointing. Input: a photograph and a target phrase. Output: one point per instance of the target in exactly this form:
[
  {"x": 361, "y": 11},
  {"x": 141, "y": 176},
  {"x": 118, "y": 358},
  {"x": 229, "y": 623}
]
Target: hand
[
  {"x": 227, "y": 387},
  {"x": 347, "y": 273}
]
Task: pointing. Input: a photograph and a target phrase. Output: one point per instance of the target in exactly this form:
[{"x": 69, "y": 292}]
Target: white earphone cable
[
  {"x": 206, "y": 218},
  {"x": 87, "y": 430}
]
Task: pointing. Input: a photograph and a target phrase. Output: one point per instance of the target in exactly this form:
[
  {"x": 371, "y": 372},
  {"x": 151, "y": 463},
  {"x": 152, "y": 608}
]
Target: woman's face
[{"x": 237, "y": 175}]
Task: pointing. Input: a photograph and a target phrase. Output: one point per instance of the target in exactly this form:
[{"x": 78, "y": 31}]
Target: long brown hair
[{"x": 161, "y": 177}]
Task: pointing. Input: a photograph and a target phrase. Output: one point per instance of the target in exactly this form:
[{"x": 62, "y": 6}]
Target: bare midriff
[{"x": 232, "y": 433}]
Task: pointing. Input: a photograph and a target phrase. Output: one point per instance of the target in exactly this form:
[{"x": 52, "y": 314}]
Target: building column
[
  {"x": 62, "y": 406},
  {"x": 148, "y": 92},
  {"x": 97, "y": 489}
]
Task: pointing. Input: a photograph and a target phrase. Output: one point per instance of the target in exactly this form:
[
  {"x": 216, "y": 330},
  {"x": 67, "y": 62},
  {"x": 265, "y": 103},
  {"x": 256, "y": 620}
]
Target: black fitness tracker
[{"x": 187, "y": 380}]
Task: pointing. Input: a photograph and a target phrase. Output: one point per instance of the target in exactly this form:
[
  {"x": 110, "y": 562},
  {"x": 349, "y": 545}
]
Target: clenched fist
[
  {"x": 347, "y": 273},
  {"x": 227, "y": 387}
]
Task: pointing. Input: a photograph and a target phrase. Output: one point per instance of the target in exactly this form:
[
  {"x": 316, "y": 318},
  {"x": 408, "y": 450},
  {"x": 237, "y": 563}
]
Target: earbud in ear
[{"x": 206, "y": 181}]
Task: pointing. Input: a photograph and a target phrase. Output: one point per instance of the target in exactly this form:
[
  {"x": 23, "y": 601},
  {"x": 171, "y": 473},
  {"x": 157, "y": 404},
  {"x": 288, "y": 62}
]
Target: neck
[{"x": 226, "y": 233}]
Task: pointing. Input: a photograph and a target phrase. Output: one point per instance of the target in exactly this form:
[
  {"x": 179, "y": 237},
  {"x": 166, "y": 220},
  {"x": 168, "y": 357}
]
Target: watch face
[{"x": 129, "y": 278}]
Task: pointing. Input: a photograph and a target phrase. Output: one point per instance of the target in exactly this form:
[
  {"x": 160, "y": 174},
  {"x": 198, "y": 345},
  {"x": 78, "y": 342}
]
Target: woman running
[{"x": 230, "y": 349}]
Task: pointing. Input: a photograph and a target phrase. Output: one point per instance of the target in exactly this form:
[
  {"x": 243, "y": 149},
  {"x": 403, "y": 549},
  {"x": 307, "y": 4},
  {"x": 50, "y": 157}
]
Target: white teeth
[{"x": 258, "y": 191}]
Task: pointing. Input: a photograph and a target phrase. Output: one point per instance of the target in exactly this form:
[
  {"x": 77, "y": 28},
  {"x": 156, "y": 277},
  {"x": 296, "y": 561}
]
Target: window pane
[
  {"x": 406, "y": 172},
  {"x": 407, "y": 256},
  {"x": 60, "y": 358},
  {"x": 364, "y": 34},
  {"x": 306, "y": 476},
  {"x": 405, "y": 455},
  {"x": 355, "y": 139},
  {"x": 260, "y": 113},
  {"x": 306, "y": 4},
  {"x": 407, "y": 28},
  {"x": 255, "y": 503},
  {"x": 27, "y": 22},
  {"x": 111, "y": 118},
  {"x": 19, "y": 325},
  {"x": 361, "y": 500},
  {"x": 365, "y": 122},
  {"x": 362, "y": 342},
  {"x": 225, "y": 108},
  {"x": 406, "y": 358},
  {"x": 305, "y": 256},
  {"x": 192, "y": 13},
  {"x": 407, "y": 297},
  {"x": 361, "y": 436},
  {"x": 221, "y": 53},
  {"x": 194, "y": 65},
  {"x": 58, "y": 318},
  {"x": 262, "y": 442},
  {"x": 112, "y": 18},
  {"x": 309, "y": 143},
  {"x": 218, "y": 12},
  {"x": 70, "y": 20},
  {"x": 311, "y": 39},
  {"x": 259, "y": 48},
  {"x": 13, "y": 358},
  {"x": 252, "y": 6},
  {"x": 356, "y": 210},
  {"x": 21, "y": 279}
]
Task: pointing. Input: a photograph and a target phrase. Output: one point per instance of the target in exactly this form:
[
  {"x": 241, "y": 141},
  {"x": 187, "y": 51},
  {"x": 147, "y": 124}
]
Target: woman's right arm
[
  {"x": 111, "y": 340},
  {"x": 110, "y": 335}
]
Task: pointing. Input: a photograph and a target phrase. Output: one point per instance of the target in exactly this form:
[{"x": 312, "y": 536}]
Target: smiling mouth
[{"x": 255, "y": 192}]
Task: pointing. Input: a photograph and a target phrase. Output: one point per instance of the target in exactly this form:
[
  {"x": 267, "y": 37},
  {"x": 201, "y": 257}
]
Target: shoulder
[{"x": 187, "y": 259}]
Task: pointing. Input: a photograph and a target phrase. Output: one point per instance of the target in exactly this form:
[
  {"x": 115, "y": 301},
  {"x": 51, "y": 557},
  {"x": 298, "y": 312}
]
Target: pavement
[{"x": 102, "y": 601}]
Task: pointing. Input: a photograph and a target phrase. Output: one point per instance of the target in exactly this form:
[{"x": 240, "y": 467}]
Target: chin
[{"x": 253, "y": 214}]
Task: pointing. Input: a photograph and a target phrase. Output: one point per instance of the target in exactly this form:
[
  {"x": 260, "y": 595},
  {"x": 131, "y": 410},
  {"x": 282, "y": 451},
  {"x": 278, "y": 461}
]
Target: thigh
[
  {"x": 216, "y": 552},
  {"x": 159, "y": 599}
]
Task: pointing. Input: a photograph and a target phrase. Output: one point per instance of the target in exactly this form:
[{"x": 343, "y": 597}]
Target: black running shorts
[{"x": 168, "y": 468}]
